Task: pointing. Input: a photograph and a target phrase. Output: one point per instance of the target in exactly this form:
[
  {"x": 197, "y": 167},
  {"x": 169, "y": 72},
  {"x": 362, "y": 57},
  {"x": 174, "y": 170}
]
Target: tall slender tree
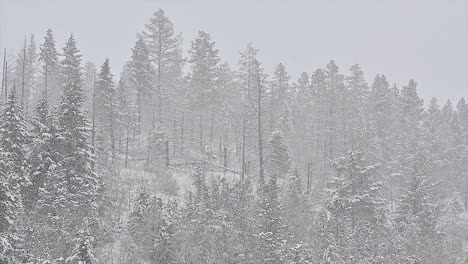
[
  {"x": 107, "y": 110},
  {"x": 166, "y": 55},
  {"x": 49, "y": 58}
]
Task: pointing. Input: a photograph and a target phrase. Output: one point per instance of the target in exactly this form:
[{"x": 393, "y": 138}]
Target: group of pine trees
[{"x": 327, "y": 169}]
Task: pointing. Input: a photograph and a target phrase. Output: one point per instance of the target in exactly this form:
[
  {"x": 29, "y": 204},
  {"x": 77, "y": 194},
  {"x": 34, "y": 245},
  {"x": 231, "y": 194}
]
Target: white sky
[{"x": 426, "y": 40}]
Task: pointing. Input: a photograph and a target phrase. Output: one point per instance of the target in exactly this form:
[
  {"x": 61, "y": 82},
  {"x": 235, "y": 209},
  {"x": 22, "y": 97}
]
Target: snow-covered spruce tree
[
  {"x": 164, "y": 249},
  {"x": 10, "y": 204},
  {"x": 14, "y": 144},
  {"x": 51, "y": 211},
  {"x": 44, "y": 148},
  {"x": 296, "y": 209},
  {"x": 107, "y": 115},
  {"x": 355, "y": 230},
  {"x": 82, "y": 183},
  {"x": 419, "y": 213},
  {"x": 83, "y": 253},
  {"x": 271, "y": 246},
  {"x": 277, "y": 158},
  {"x": 206, "y": 233},
  {"x": 140, "y": 207},
  {"x": 14, "y": 180},
  {"x": 43, "y": 200}
]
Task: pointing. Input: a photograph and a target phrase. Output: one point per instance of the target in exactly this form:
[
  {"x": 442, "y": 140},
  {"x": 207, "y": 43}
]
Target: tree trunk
[
  {"x": 3, "y": 73},
  {"x": 24, "y": 75},
  {"x": 260, "y": 142}
]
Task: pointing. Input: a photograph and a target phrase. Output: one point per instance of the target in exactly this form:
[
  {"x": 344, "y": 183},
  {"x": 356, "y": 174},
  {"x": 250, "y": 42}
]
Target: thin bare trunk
[
  {"x": 93, "y": 135},
  {"x": 3, "y": 72},
  {"x": 182, "y": 134},
  {"x": 24, "y": 74},
  {"x": 259, "y": 117}
]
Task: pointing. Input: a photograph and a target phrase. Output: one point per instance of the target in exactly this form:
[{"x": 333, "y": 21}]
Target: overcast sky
[{"x": 426, "y": 40}]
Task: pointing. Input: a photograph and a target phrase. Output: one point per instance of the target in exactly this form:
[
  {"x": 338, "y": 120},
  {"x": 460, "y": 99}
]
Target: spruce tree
[
  {"x": 141, "y": 73},
  {"x": 418, "y": 212},
  {"x": 82, "y": 183},
  {"x": 107, "y": 116},
  {"x": 10, "y": 205},
  {"x": 278, "y": 160},
  {"x": 44, "y": 153},
  {"x": 355, "y": 213},
  {"x": 271, "y": 248},
  {"x": 83, "y": 253},
  {"x": 14, "y": 143}
]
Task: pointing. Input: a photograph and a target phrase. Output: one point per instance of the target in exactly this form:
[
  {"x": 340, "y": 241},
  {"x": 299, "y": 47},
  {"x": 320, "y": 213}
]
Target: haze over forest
[{"x": 422, "y": 40}]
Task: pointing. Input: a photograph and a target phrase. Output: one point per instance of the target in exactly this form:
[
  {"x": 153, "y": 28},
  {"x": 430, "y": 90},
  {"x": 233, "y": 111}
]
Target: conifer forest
[{"x": 180, "y": 157}]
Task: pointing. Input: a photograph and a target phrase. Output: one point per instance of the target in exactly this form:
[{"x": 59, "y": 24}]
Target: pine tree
[
  {"x": 203, "y": 90},
  {"x": 383, "y": 118},
  {"x": 50, "y": 66},
  {"x": 247, "y": 74},
  {"x": 166, "y": 55},
  {"x": 280, "y": 94},
  {"x": 204, "y": 73},
  {"x": 141, "y": 80},
  {"x": 301, "y": 111}
]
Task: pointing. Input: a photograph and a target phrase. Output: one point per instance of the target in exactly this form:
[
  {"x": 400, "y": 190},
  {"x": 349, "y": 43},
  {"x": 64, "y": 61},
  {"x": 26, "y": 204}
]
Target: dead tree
[
  {"x": 201, "y": 134},
  {"x": 24, "y": 73},
  {"x": 3, "y": 72},
  {"x": 259, "y": 119},
  {"x": 182, "y": 134},
  {"x": 244, "y": 117},
  {"x": 93, "y": 129}
]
